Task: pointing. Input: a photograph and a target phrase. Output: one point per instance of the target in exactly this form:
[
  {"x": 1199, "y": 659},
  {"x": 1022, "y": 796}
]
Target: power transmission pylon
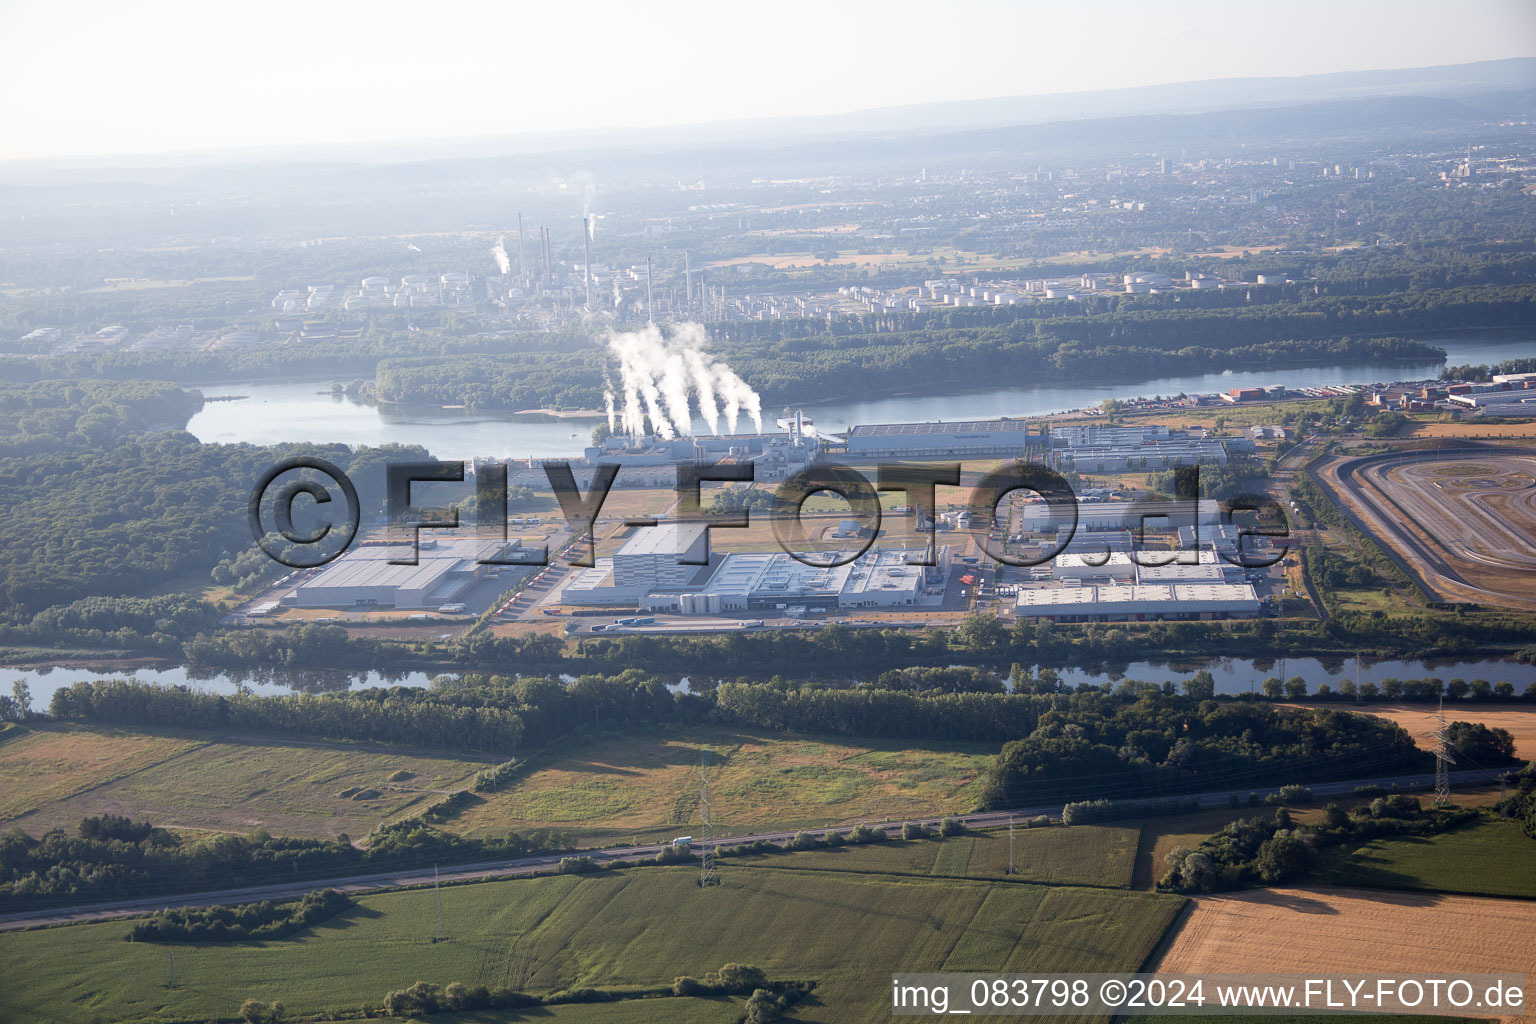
[
  {"x": 708, "y": 875},
  {"x": 437, "y": 892},
  {"x": 171, "y": 981},
  {"x": 1012, "y": 867},
  {"x": 1443, "y": 760}
]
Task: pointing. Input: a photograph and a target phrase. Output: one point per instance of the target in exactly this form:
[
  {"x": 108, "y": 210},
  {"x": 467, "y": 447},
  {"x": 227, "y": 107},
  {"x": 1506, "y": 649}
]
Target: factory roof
[
  {"x": 1113, "y": 562},
  {"x": 957, "y": 427},
  {"x": 370, "y": 565},
  {"x": 1142, "y": 597},
  {"x": 665, "y": 538},
  {"x": 1205, "y": 572}
]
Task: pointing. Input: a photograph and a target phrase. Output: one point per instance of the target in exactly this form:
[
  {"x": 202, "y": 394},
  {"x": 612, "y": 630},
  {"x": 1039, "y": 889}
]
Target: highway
[{"x": 524, "y": 866}]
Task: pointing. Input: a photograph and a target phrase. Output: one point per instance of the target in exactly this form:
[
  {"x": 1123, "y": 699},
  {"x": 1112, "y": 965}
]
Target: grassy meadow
[
  {"x": 648, "y": 787},
  {"x": 60, "y": 774},
  {"x": 1492, "y": 857}
]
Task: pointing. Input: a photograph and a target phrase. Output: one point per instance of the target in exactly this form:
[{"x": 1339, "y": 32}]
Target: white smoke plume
[
  {"x": 661, "y": 376},
  {"x": 500, "y": 252}
]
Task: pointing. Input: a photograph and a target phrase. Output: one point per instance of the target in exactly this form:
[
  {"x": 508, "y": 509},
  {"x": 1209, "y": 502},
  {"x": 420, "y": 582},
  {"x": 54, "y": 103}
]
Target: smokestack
[
  {"x": 649, "y": 315},
  {"x": 586, "y": 238},
  {"x": 522, "y": 277}
]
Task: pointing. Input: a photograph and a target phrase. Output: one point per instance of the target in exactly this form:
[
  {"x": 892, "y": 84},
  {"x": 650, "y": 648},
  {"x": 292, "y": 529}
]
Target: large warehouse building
[
  {"x": 1123, "y": 515},
  {"x": 1138, "y": 602},
  {"x": 364, "y": 577},
  {"x": 668, "y": 554},
  {"x": 777, "y": 582},
  {"x": 970, "y": 438}
]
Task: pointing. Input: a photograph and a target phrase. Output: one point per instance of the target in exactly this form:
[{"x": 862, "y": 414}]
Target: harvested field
[
  {"x": 1459, "y": 519},
  {"x": 1418, "y": 719},
  {"x": 1320, "y": 931}
]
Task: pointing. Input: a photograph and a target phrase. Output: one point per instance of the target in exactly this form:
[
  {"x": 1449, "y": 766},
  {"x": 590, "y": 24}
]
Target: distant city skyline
[{"x": 88, "y": 77}]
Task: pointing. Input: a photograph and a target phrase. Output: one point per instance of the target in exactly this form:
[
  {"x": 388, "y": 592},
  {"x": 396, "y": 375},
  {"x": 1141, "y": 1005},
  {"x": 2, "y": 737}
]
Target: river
[
  {"x": 1232, "y": 675},
  {"x": 272, "y": 413}
]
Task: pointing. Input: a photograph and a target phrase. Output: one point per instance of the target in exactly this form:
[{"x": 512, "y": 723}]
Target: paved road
[{"x": 528, "y": 865}]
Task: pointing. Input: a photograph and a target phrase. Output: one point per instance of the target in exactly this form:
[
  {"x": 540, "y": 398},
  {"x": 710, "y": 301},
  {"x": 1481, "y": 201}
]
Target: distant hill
[{"x": 1500, "y": 88}]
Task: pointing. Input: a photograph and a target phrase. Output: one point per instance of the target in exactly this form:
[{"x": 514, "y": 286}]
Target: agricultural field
[
  {"x": 1489, "y": 858},
  {"x": 1090, "y": 855},
  {"x": 641, "y": 927},
  {"x": 1325, "y": 931},
  {"x": 40, "y": 767},
  {"x": 637, "y": 786},
  {"x": 287, "y": 788},
  {"x": 1418, "y": 719}
]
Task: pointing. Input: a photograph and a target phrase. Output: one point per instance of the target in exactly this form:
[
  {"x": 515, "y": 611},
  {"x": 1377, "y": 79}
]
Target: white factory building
[
  {"x": 364, "y": 577},
  {"x": 1144, "y": 456},
  {"x": 936, "y": 440},
  {"x": 645, "y": 573},
  {"x": 1124, "y": 515},
  {"x": 668, "y": 554},
  {"x": 1138, "y": 602},
  {"x": 652, "y": 557},
  {"x": 1185, "y": 567},
  {"x": 1114, "y": 449},
  {"x": 779, "y": 584}
]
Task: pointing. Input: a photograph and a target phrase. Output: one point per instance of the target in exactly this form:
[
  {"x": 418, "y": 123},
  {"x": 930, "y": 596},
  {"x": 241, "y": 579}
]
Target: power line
[
  {"x": 708, "y": 874},
  {"x": 1012, "y": 867},
  {"x": 437, "y": 892},
  {"x": 1443, "y": 759}
]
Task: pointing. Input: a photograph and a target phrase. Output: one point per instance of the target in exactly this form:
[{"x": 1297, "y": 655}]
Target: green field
[
  {"x": 59, "y": 775},
  {"x": 1488, "y": 858},
  {"x": 1083, "y": 855},
  {"x": 847, "y": 932},
  {"x": 648, "y": 786}
]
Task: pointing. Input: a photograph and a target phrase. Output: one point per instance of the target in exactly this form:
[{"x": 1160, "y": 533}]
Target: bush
[
  {"x": 914, "y": 830},
  {"x": 803, "y": 840},
  {"x": 675, "y": 853},
  {"x": 263, "y": 920},
  {"x": 952, "y": 827},
  {"x": 495, "y": 778},
  {"x": 1089, "y": 811},
  {"x": 577, "y": 866},
  {"x": 867, "y": 834}
]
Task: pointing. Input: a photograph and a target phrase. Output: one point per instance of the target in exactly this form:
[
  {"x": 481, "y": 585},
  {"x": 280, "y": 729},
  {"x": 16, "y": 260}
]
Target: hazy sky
[{"x": 109, "y": 76}]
